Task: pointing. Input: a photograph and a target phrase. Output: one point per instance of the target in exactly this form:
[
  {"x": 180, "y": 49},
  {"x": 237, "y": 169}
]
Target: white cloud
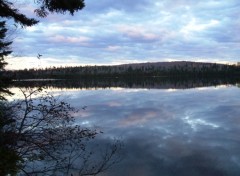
[
  {"x": 69, "y": 40},
  {"x": 113, "y": 48},
  {"x": 196, "y": 26},
  {"x": 129, "y": 31}
]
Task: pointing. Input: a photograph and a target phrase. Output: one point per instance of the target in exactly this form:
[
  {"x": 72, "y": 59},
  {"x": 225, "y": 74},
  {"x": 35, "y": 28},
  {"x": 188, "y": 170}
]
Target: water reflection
[
  {"x": 140, "y": 82},
  {"x": 182, "y": 132},
  {"x": 168, "y": 132}
]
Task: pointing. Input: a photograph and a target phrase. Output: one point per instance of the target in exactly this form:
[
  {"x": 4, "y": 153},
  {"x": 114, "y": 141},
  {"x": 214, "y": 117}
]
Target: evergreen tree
[
  {"x": 4, "y": 51},
  {"x": 58, "y": 6},
  {"x": 8, "y": 10},
  {"x": 4, "y": 45}
]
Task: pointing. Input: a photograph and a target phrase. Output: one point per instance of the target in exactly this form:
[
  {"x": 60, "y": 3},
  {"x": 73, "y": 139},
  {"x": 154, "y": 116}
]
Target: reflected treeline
[{"x": 138, "y": 82}]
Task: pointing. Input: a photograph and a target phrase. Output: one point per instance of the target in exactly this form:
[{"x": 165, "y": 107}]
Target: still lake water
[{"x": 168, "y": 132}]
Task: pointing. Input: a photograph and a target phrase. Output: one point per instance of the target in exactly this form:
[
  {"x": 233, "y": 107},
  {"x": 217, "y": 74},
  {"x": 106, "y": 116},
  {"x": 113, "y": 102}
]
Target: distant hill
[{"x": 171, "y": 64}]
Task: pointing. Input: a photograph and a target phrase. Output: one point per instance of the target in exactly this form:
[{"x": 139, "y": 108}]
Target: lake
[{"x": 167, "y": 130}]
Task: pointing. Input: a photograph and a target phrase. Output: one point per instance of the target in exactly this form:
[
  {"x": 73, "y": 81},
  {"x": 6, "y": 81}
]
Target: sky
[{"x": 110, "y": 32}]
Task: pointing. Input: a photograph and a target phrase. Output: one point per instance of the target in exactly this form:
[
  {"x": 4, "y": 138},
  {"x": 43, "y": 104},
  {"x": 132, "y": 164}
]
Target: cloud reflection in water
[{"x": 181, "y": 132}]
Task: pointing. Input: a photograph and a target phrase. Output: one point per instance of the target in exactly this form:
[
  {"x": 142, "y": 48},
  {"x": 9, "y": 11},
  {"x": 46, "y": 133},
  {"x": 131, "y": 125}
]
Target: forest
[{"x": 159, "y": 69}]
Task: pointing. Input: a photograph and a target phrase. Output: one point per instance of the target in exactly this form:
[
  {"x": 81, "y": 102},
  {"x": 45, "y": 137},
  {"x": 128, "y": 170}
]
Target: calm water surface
[
  {"x": 169, "y": 132},
  {"x": 166, "y": 131}
]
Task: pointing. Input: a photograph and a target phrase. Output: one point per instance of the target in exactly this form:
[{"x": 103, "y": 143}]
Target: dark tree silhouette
[
  {"x": 4, "y": 45},
  {"x": 58, "y": 6},
  {"x": 9, "y": 11},
  {"x": 9, "y": 157},
  {"x": 4, "y": 51},
  {"x": 42, "y": 138}
]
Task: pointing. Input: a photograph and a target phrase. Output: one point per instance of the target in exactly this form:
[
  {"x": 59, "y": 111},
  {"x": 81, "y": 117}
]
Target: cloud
[
  {"x": 143, "y": 31},
  {"x": 113, "y": 48},
  {"x": 81, "y": 40},
  {"x": 138, "y": 33},
  {"x": 44, "y": 62},
  {"x": 123, "y": 5},
  {"x": 139, "y": 117},
  {"x": 196, "y": 26}
]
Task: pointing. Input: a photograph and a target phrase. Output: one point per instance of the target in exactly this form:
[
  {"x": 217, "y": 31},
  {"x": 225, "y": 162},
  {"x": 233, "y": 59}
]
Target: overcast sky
[{"x": 111, "y": 32}]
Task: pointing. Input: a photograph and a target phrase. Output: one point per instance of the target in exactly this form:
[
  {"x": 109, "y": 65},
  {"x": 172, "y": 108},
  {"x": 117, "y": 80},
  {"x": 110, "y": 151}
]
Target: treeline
[{"x": 165, "y": 69}]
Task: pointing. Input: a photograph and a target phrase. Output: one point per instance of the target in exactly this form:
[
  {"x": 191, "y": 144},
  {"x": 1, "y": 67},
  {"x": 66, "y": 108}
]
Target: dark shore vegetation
[{"x": 164, "y": 69}]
